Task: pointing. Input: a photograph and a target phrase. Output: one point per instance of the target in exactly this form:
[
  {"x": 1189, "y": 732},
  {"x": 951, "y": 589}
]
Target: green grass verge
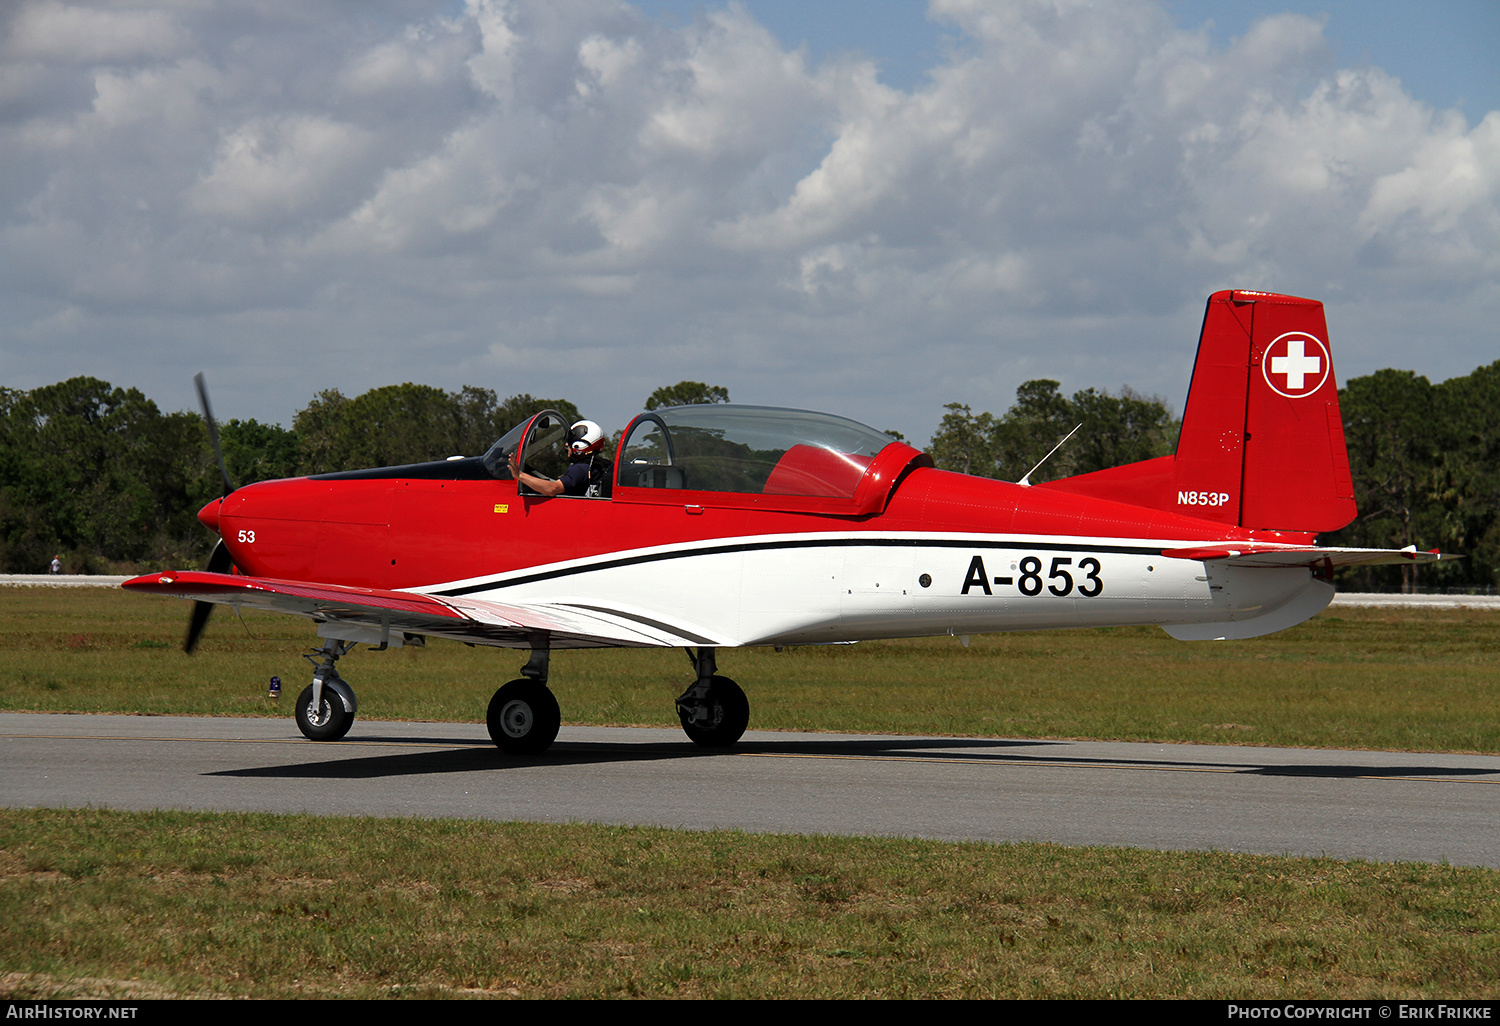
[
  {"x": 1363, "y": 678},
  {"x": 168, "y": 904},
  {"x": 142, "y": 905}
]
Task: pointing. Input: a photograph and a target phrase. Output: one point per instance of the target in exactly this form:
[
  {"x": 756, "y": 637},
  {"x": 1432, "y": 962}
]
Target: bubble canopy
[{"x": 748, "y": 449}]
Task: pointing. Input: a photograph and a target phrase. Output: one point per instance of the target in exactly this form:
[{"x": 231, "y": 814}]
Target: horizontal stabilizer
[{"x": 1283, "y": 556}]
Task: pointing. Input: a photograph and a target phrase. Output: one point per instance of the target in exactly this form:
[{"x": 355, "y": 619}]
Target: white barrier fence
[{"x": 61, "y": 580}]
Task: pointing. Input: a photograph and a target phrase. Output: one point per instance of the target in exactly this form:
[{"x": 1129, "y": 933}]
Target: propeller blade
[
  {"x": 219, "y": 562},
  {"x": 213, "y": 430},
  {"x": 196, "y": 624}
]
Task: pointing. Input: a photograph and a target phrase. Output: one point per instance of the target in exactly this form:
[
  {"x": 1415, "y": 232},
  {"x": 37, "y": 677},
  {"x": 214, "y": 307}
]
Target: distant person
[{"x": 56, "y": 564}]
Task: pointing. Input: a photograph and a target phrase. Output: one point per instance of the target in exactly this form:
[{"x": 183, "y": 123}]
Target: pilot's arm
[{"x": 540, "y": 485}]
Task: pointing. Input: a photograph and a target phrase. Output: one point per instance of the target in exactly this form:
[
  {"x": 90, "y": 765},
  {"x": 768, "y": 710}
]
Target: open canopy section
[{"x": 748, "y": 449}]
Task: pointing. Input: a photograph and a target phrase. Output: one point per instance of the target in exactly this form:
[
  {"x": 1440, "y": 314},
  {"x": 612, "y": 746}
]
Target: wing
[
  {"x": 1283, "y": 556},
  {"x": 374, "y": 616}
]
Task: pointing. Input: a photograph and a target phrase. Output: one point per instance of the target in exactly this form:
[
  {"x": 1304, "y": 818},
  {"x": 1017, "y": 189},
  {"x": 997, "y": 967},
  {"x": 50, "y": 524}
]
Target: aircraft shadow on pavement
[
  {"x": 474, "y": 757},
  {"x": 1372, "y": 771},
  {"x": 469, "y": 757}
]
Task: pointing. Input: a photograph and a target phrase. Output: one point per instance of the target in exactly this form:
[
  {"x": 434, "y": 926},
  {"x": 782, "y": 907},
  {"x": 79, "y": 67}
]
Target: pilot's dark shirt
[
  {"x": 592, "y": 471},
  {"x": 575, "y": 480}
]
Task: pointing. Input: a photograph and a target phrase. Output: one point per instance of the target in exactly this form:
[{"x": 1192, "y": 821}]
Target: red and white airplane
[{"x": 729, "y": 526}]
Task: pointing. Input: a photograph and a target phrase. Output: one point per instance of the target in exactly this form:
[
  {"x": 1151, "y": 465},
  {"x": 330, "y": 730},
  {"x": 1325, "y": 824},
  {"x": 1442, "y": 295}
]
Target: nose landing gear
[{"x": 326, "y": 707}]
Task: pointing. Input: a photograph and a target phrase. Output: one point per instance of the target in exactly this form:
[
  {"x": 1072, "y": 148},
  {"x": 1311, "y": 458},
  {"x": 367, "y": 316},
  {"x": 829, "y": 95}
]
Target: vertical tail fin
[{"x": 1262, "y": 442}]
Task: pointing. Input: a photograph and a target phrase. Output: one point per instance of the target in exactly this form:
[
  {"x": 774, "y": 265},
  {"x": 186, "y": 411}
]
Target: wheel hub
[
  {"x": 516, "y": 719},
  {"x": 699, "y": 706},
  {"x": 708, "y": 713},
  {"x": 318, "y": 715}
]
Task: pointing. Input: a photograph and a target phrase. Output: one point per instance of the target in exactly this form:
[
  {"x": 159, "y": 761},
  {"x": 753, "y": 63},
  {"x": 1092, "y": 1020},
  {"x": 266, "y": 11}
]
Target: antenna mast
[{"x": 1025, "y": 481}]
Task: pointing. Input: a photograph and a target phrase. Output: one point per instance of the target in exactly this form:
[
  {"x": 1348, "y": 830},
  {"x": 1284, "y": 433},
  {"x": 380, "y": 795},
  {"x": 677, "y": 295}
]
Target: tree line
[{"x": 99, "y": 475}]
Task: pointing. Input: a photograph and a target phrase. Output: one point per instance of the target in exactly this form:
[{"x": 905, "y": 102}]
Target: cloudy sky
[{"x": 873, "y": 208}]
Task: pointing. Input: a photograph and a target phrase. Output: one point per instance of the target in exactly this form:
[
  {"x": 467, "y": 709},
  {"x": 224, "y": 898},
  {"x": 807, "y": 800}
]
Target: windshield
[
  {"x": 497, "y": 460},
  {"x": 761, "y": 449}
]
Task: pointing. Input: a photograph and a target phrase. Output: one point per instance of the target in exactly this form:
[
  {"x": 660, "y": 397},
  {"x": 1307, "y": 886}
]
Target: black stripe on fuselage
[
  {"x": 811, "y": 543},
  {"x": 664, "y": 628}
]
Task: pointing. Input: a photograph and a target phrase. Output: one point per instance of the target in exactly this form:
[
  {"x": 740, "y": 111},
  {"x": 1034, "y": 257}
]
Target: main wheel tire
[
  {"x": 329, "y": 722},
  {"x": 728, "y": 715},
  {"x": 523, "y": 718}
]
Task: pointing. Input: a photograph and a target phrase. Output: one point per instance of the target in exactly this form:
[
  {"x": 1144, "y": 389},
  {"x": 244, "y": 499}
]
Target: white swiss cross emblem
[{"x": 1295, "y": 364}]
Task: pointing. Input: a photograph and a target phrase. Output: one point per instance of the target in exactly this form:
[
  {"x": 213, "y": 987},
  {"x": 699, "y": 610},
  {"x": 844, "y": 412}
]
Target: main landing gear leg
[
  {"x": 714, "y": 711},
  {"x": 523, "y": 716},
  {"x": 325, "y": 709}
]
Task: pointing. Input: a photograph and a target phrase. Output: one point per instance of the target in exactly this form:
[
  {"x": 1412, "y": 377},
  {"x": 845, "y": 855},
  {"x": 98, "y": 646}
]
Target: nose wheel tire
[
  {"x": 523, "y": 718},
  {"x": 329, "y": 721},
  {"x": 714, "y": 717}
]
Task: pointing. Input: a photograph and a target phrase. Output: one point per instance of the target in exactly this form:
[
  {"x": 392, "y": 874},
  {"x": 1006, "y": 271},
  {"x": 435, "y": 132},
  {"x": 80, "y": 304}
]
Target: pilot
[{"x": 587, "y": 474}]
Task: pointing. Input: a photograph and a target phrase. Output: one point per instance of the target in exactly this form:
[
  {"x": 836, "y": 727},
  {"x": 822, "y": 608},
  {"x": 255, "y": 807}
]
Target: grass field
[
  {"x": 184, "y": 904},
  {"x": 1362, "y": 678},
  {"x": 172, "y": 904}
]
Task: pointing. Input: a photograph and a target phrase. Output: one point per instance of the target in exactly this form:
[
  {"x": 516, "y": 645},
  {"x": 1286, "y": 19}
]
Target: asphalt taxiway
[{"x": 1387, "y": 806}]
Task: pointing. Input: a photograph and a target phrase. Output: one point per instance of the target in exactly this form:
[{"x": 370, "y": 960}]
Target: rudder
[
  {"x": 1262, "y": 443},
  {"x": 1296, "y": 464}
]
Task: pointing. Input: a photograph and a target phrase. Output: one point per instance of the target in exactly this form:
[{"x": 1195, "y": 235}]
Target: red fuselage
[{"x": 398, "y": 532}]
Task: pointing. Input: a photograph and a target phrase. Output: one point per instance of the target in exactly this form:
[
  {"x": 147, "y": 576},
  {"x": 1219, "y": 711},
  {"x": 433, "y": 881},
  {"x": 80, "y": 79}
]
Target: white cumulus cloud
[{"x": 564, "y": 197}]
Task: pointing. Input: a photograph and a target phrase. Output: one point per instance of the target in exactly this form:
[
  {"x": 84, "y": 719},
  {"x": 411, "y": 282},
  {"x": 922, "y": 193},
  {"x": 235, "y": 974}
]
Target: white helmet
[{"x": 585, "y": 438}]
